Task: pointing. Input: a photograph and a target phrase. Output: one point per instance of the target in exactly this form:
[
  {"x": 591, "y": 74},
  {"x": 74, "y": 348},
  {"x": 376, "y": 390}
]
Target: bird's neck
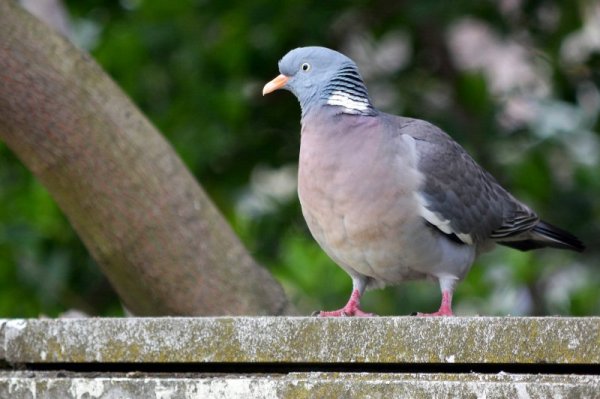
[{"x": 347, "y": 92}]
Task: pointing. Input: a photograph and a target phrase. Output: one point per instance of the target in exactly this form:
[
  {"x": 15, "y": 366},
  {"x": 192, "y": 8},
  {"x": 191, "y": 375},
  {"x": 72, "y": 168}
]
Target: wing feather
[{"x": 457, "y": 195}]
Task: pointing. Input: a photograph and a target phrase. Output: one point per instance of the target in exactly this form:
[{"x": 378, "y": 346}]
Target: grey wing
[{"x": 458, "y": 196}]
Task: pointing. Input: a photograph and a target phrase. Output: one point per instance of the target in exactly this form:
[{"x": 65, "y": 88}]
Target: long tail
[{"x": 543, "y": 235}]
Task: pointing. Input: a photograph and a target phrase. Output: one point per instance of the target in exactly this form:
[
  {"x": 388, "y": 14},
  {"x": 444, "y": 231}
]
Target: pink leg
[
  {"x": 351, "y": 309},
  {"x": 445, "y": 307}
]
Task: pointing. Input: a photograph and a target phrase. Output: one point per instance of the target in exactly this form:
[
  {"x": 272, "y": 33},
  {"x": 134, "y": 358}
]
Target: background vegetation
[{"x": 516, "y": 82}]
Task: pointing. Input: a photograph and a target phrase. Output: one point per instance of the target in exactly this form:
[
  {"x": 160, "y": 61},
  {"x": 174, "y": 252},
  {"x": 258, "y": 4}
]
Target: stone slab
[
  {"x": 26, "y": 384},
  {"x": 307, "y": 340}
]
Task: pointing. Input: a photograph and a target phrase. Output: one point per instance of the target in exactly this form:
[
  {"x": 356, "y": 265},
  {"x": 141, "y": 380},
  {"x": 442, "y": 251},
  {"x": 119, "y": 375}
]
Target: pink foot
[
  {"x": 351, "y": 309},
  {"x": 345, "y": 312},
  {"x": 445, "y": 307}
]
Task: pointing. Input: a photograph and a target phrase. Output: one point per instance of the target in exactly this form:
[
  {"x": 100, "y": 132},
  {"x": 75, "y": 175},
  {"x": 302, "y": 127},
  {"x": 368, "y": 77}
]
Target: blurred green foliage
[{"x": 516, "y": 82}]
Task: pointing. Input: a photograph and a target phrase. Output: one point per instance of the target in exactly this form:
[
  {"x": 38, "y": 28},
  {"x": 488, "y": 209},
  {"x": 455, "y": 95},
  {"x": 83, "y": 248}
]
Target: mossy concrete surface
[
  {"x": 27, "y": 384},
  {"x": 472, "y": 340},
  {"x": 300, "y": 357}
]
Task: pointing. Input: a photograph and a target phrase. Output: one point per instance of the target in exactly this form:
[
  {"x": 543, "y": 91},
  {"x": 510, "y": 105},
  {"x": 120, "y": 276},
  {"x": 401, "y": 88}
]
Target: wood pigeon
[{"x": 390, "y": 198}]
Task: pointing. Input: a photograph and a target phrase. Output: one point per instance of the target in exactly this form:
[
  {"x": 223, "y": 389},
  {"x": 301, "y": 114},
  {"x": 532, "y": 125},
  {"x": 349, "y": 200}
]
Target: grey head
[{"x": 319, "y": 76}]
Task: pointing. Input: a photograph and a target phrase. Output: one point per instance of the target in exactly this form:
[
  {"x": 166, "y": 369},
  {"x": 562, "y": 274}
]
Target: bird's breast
[{"x": 356, "y": 187}]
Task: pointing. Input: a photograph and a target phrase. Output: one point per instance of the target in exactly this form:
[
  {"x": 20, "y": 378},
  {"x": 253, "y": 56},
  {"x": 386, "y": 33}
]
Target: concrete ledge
[
  {"x": 297, "y": 385},
  {"x": 300, "y": 357},
  {"x": 477, "y": 340}
]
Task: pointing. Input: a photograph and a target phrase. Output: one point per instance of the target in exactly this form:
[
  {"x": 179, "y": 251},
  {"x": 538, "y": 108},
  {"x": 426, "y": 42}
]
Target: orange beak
[{"x": 275, "y": 84}]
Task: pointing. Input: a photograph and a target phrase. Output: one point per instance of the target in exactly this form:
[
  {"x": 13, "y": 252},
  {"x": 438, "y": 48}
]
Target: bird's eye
[{"x": 305, "y": 67}]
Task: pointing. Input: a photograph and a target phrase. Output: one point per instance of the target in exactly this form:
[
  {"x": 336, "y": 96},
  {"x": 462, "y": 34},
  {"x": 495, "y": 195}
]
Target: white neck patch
[{"x": 350, "y": 103}]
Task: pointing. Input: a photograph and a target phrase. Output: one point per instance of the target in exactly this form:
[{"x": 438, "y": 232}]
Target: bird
[{"x": 392, "y": 198}]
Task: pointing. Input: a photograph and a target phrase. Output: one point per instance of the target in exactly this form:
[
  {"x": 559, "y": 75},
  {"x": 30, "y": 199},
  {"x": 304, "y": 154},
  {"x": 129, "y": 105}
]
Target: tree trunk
[{"x": 149, "y": 225}]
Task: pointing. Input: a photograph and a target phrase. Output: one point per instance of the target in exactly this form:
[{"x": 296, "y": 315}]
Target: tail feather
[{"x": 543, "y": 235}]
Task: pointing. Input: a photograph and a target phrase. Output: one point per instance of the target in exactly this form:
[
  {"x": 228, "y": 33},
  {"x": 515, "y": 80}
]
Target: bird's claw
[{"x": 344, "y": 313}]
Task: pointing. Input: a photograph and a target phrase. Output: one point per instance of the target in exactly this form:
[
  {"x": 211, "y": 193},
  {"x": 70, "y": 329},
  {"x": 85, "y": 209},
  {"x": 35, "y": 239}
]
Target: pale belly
[
  {"x": 386, "y": 242},
  {"x": 370, "y": 242}
]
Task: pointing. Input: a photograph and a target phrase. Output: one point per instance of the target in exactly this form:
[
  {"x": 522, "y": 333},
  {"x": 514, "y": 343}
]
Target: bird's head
[{"x": 320, "y": 76}]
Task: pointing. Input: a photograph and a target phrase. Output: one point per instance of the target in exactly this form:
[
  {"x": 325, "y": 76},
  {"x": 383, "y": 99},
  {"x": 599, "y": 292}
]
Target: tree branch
[{"x": 153, "y": 231}]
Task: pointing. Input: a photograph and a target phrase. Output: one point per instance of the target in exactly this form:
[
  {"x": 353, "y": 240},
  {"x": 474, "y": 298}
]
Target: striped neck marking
[
  {"x": 350, "y": 104},
  {"x": 347, "y": 90}
]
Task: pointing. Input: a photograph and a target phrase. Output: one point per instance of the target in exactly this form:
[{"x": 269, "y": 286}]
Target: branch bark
[{"x": 150, "y": 226}]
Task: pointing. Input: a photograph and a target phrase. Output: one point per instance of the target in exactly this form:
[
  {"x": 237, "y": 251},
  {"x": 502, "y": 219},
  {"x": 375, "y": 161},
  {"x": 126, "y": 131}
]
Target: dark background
[{"x": 515, "y": 82}]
